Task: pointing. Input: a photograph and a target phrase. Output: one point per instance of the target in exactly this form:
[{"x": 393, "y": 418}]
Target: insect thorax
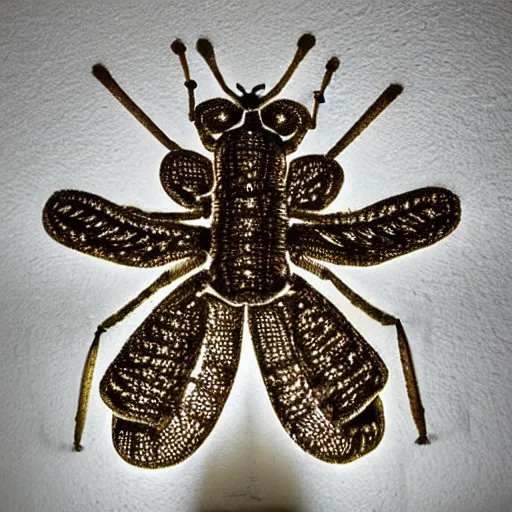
[{"x": 249, "y": 216}]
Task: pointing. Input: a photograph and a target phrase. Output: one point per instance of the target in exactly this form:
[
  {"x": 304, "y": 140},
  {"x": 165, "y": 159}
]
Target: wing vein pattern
[
  {"x": 169, "y": 383},
  {"x": 380, "y": 232},
  {"x": 126, "y": 235},
  {"x": 322, "y": 377}
]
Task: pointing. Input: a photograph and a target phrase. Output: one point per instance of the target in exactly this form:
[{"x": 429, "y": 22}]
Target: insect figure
[{"x": 169, "y": 383}]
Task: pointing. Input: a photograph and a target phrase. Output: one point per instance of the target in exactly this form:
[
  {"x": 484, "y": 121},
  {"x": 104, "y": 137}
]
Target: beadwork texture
[{"x": 170, "y": 381}]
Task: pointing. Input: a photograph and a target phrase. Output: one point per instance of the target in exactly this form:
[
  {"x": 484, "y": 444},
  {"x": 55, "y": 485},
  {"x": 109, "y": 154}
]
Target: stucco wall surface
[{"x": 451, "y": 127}]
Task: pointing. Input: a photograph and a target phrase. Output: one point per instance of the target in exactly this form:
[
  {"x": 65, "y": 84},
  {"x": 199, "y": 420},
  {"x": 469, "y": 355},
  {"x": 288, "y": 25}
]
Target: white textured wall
[{"x": 451, "y": 127}]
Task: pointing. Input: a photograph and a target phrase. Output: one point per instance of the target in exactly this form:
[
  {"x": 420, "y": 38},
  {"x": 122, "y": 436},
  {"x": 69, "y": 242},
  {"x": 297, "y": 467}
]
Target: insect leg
[
  {"x": 364, "y": 121},
  {"x": 85, "y": 386},
  {"x": 179, "y": 49},
  {"x": 331, "y": 66},
  {"x": 411, "y": 381},
  {"x": 103, "y": 75}
]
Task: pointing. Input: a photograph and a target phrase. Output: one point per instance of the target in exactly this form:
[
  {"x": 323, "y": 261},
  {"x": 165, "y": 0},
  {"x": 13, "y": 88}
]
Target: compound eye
[
  {"x": 218, "y": 115},
  {"x": 285, "y": 117}
]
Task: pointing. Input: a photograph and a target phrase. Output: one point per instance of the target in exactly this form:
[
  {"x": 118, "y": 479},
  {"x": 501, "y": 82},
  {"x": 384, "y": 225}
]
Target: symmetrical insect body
[{"x": 169, "y": 383}]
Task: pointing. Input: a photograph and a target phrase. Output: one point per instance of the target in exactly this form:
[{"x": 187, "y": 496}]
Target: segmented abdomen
[{"x": 249, "y": 217}]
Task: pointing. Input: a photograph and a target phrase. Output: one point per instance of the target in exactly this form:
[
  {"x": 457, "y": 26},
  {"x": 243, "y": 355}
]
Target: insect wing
[
  {"x": 169, "y": 383},
  {"x": 92, "y": 225},
  {"x": 322, "y": 377},
  {"x": 313, "y": 182},
  {"x": 380, "y": 232}
]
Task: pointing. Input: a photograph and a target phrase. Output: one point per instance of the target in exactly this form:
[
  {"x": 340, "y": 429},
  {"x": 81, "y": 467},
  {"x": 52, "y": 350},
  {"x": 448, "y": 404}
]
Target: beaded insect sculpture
[{"x": 169, "y": 383}]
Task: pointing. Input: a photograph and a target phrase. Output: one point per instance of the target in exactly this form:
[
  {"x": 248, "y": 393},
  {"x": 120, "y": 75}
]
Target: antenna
[
  {"x": 383, "y": 101},
  {"x": 205, "y": 49},
  {"x": 103, "y": 75},
  {"x": 304, "y": 44}
]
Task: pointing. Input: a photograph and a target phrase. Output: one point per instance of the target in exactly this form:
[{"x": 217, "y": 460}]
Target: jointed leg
[
  {"x": 179, "y": 49},
  {"x": 411, "y": 381},
  {"x": 331, "y": 66},
  {"x": 85, "y": 387}
]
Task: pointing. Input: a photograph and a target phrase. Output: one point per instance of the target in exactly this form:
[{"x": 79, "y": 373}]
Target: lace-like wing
[
  {"x": 322, "y": 377},
  {"x": 169, "y": 383},
  {"x": 92, "y": 225},
  {"x": 380, "y": 232}
]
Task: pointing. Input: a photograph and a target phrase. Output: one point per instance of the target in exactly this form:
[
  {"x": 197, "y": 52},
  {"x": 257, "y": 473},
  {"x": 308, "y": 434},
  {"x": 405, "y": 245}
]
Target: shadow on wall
[
  {"x": 239, "y": 487},
  {"x": 251, "y": 509},
  {"x": 249, "y": 478}
]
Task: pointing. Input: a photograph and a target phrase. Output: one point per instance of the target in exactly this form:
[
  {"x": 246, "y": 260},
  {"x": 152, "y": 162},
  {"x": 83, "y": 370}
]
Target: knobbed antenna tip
[
  {"x": 306, "y": 42},
  {"x": 178, "y": 47},
  {"x": 332, "y": 64},
  {"x": 101, "y": 73},
  {"x": 205, "y": 48},
  {"x": 394, "y": 90}
]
